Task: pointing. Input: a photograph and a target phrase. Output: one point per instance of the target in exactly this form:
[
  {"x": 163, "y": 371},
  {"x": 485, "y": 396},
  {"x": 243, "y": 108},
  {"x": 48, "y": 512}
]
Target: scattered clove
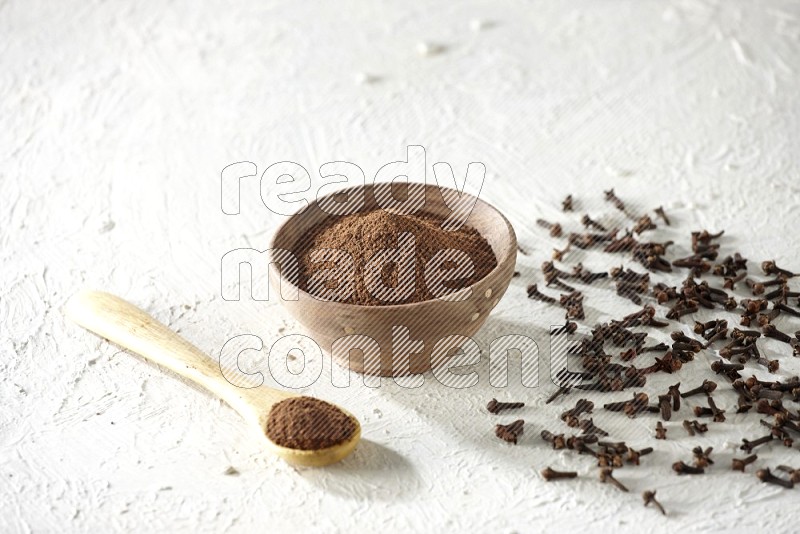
[
  {"x": 706, "y": 387},
  {"x": 683, "y": 469},
  {"x": 675, "y": 394},
  {"x": 748, "y": 446},
  {"x": 510, "y": 432},
  {"x": 607, "y": 476},
  {"x": 556, "y": 440},
  {"x": 689, "y": 427},
  {"x": 702, "y": 457},
  {"x": 535, "y": 294},
  {"x": 738, "y": 464},
  {"x": 555, "y": 228},
  {"x": 588, "y": 427},
  {"x": 794, "y": 474},
  {"x": 634, "y": 455},
  {"x": 632, "y": 407},
  {"x": 766, "y": 476},
  {"x": 551, "y": 474},
  {"x": 702, "y": 428},
  {"x": 612, "y": 197},
  {"x": 496, "y": 407},
  {"x": 660, "y": 212},
  {"x": 649, "y": 497},
  {"x": 665, "y": 406},
  {"x": 589, "y": 223},
  {"x": 769, "y": 267}
]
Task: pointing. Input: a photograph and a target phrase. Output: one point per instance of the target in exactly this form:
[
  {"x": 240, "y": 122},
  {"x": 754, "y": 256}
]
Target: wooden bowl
[{"x": 360, "y": 337}]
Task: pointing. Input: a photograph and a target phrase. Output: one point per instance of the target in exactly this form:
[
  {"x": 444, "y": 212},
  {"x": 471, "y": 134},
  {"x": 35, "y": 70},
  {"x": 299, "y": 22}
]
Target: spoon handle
[{"x": 134, "y": 329}]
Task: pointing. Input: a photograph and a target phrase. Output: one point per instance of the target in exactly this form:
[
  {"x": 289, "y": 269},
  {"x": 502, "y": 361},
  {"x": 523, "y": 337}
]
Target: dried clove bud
[
  {"x": 582, "y": 406},
  {"x": 649, "y": 497},
  {"x": 665, "y": 407},
  {"x": 748, "y": 446},
  {"x": 634, "y": 455},
  {"x": 589, "y": 223},
  {"x": 702, "y": 428},
  {"x": 588, "y": 427},
  {"x": 612, "y": 197},
  {"x": 606, "y": 476},
  {"x": 689, "y": 427},
  {"x": 675, "y": 393},
  {"x": 556, "y": 440},
  {"x": 510, "y": 432},
  {"x": 535, "y": 294},
  {"x": 632, "y": 407},
  {"x": 496, "y": 407},
  {"x": 683, "y": 469},
  {"x": 551, "y": 474},
  {"x": 555, "y": 228},
  {"x": 660, "y": 212},
  {"x": 765, "y": 476},
  {"x": 769, "y": 267},
  {"x": 738, "y": 464},
  {"x": 794, "y": 474},
  {"x": 702, "y": 457}
]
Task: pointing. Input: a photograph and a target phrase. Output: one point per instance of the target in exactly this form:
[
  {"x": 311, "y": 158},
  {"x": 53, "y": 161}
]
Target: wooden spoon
[{"x": 131, "y": 328}]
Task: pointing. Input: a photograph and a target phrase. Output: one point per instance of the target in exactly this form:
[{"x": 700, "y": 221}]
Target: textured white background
[{"x": 117, "y": 118}]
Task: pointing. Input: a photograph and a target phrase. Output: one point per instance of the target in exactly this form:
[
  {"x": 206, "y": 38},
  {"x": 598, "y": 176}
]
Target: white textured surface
[{"x": 117, "y": 119}]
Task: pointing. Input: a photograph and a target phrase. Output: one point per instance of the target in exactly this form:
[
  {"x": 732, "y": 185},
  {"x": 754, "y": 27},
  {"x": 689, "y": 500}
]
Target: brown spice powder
[
  {"x": 365, "y": 233},
  {"x": 306, "y": 423}
]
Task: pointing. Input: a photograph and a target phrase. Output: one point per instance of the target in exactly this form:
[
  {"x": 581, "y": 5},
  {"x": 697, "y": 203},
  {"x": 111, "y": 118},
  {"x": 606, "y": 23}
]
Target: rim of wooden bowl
[{"x": 501, "y": 262}]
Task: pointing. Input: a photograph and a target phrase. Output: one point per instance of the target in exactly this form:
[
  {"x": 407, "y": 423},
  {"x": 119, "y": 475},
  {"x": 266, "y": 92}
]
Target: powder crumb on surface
[
  {"x": 307, "y": 423},
  {"x": 231, "y": 472}
]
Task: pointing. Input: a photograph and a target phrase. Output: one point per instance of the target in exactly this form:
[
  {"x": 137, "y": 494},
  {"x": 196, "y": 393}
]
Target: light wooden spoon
[{"x": 131, "y": 328}]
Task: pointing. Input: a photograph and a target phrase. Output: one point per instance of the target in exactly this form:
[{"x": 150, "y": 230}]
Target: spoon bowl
[{"x": 131, "y": 328}]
